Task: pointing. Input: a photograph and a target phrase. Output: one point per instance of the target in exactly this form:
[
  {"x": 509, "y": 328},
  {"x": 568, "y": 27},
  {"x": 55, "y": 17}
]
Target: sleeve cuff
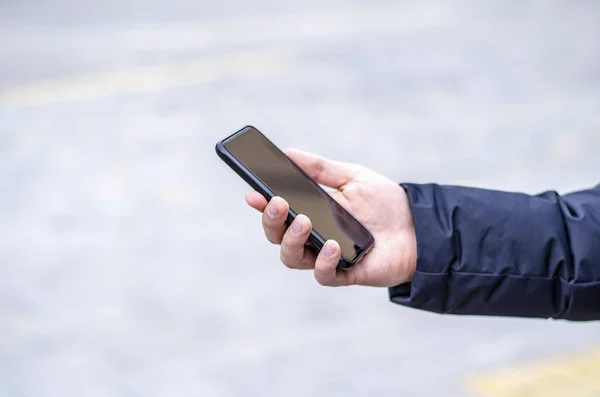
[{"x": 435, "y": 252}]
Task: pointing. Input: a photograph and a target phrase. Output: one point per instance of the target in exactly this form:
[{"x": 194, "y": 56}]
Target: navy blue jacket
[{"x": 483, "y": 252}]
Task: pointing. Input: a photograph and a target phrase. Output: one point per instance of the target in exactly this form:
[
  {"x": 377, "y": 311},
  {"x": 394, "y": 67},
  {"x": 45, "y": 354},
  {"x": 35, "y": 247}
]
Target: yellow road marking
[
  {"x": 145, "y": 79},
  {"x": 573, "y": 376}
]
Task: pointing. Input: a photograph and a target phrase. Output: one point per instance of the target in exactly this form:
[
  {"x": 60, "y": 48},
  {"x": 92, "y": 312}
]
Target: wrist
[
  {"x": 411, "y": 259},
  {"x": 409, "y": 246}
]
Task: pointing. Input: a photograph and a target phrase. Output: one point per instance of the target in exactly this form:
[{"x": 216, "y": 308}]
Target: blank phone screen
[{"x": 304, "y": 196}]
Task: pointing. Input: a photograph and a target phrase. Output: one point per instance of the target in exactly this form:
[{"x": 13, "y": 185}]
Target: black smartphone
[{"x": 270, "y": 172}]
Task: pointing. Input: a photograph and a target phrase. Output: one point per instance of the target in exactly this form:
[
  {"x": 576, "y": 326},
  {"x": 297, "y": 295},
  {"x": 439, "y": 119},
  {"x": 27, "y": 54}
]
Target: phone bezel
[{"x": 257, "y": 184}]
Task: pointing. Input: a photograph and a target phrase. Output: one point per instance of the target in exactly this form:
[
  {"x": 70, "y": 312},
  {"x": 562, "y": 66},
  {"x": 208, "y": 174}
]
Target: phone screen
[{"x": 305, "y": 196}]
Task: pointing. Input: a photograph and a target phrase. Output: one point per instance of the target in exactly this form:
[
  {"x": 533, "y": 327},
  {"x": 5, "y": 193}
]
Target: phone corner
[
  {"x": 345, "y": 265},
  {"x": 220, "y": 148}
]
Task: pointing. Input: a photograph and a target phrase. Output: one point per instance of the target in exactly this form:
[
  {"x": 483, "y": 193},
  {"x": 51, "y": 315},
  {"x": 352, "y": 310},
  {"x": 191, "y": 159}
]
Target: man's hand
[{"x": 380, "y": 204}]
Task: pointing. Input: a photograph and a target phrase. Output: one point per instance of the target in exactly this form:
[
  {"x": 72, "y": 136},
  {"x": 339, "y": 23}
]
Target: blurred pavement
[{"x": 129, "y": 263}]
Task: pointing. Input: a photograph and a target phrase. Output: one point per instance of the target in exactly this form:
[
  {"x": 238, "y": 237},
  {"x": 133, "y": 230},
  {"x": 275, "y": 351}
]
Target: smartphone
[{"x": 271, "y": 173}]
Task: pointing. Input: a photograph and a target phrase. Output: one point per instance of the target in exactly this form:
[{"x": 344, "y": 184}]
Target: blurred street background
[{"x": 129, "y": 262}]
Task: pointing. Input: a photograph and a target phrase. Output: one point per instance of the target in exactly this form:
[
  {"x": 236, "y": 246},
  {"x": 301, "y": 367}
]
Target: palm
[{"x": 382, "y": 207}]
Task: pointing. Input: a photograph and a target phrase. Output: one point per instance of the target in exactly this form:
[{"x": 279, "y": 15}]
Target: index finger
[{"x": 256, "y": 200}]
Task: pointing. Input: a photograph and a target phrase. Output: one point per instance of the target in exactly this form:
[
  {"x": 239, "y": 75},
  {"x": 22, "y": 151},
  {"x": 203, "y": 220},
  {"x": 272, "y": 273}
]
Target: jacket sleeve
[{"x": 484, "y": 252}]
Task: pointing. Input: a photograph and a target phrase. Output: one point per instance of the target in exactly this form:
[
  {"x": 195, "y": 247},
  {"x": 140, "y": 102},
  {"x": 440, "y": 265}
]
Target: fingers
[
  {"x": 294, "y": 254},
  {"x": 324, "y": 171},
  {"x": 256, "y": 200},
  {"x": 273, "y": 219},
  {"x": 326, "y": 272}
]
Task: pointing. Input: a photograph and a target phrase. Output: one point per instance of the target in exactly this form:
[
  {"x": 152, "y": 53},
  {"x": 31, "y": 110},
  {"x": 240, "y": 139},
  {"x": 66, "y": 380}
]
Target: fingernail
[
  {"x": 296, "y": 227},
  {"x": 272, "y": 210},
  {"x": 328, "y": 249}
]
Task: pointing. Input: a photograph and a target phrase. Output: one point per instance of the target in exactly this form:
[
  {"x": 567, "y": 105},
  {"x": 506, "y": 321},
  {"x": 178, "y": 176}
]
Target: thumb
[{"x": 324, "y": 171}]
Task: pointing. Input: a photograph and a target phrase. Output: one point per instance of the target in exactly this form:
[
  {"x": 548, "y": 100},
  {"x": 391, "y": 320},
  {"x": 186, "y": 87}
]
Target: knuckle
[
  {"x": 321, "y": 280},
  {"x": 271, "y": 237},
  {"x": 307, "y": 263},
  {"x": 292, "y": 242},
  {"x": 319, "y": 167},
  {"x": 290, "y": 264},
  {"x": 266, "y": 221}
]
